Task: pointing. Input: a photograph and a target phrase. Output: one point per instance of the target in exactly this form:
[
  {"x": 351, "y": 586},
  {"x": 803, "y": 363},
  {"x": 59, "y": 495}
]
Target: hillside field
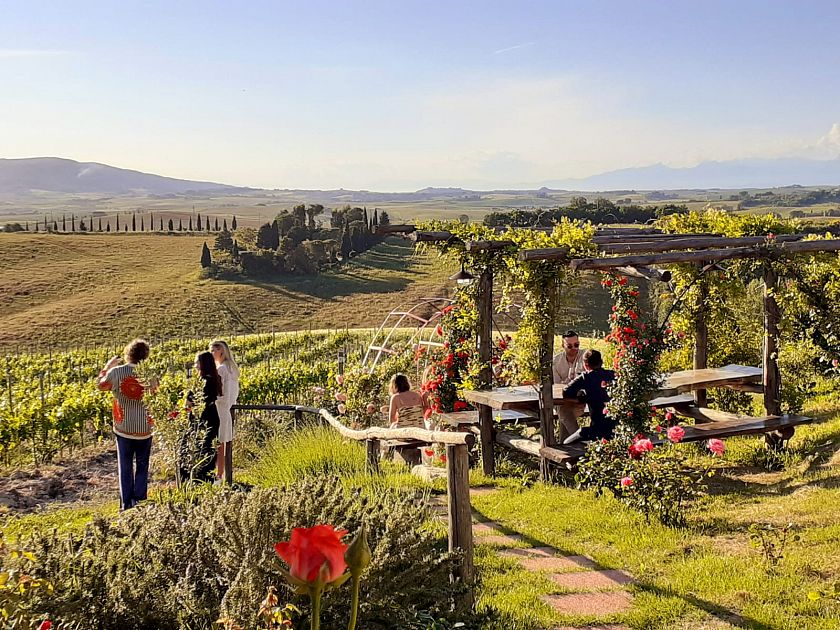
[{"x": 69, "y": 289}]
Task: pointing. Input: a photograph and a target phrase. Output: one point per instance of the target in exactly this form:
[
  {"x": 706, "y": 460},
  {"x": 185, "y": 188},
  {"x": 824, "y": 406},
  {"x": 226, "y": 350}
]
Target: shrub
[{"x": 183, "y": 564}]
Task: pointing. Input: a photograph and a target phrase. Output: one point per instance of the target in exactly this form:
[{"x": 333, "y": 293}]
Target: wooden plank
[
  {"x": 681, "y": 243},
  {"x": 689, "y": 380},
  {"x": 565, "y": 455},
  {"x": 507, "y": 416},
  {"x": 744, "y": 426},
  {"x": 484, "y": 341},
  {"x": 518, "y": 443},
  {"x": 672, "y": 401},
  {"x": 704, "y": 414}
]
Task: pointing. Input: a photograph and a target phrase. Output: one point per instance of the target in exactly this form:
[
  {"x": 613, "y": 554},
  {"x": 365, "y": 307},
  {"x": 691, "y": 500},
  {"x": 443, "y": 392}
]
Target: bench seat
[{"x": 739, "y": 425}]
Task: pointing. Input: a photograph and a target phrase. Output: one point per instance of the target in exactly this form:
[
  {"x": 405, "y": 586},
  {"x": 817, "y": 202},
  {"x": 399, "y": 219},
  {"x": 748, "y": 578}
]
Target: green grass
[
  {"x": 707, "y": 575},
  {"x": 65, "y": 520}
]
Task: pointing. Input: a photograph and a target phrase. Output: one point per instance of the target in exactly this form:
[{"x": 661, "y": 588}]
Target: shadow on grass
[{"x": 721, "y": 613}]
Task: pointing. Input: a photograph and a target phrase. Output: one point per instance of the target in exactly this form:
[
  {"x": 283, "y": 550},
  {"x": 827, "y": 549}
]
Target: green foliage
[
  {"x": 662, "y": 483},
  {"x": 771, "y": 541},
  {"x": 184, "y": 564}
]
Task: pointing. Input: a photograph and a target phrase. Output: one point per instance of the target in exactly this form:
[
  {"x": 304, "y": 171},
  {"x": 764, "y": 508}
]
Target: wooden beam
[
  {"x": 518, "y": 443},
  {"x": 485, "y": 246},
  {"x": 705, "y": 242},
  {"x": 394, "y": 229},
  {"x": 645, "y": 273},
  {"x": 798, "y": 247},
  {"x": 411, "y": 433},
  {"x": 560, "y": 254},
  {"x": 547, "y": 381},
  {"x": 771, "y": 378},
  {"x": 460, "y": 516},
  {"x": 652, "y": 238},
  {"x": 430, "y": 237},
  {"x": 484, "y": 341}
]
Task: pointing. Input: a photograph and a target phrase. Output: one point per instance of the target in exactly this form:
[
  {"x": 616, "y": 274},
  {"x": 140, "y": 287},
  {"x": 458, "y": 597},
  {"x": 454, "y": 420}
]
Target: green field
[{"x": 70, "y": 289}]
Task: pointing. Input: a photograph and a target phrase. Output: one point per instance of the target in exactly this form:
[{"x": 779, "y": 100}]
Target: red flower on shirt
[{"x": 131, "y": 388}]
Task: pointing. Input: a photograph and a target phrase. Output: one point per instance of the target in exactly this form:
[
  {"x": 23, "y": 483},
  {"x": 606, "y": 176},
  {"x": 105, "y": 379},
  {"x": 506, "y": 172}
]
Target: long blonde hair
[{"x": 227, "y": 355}]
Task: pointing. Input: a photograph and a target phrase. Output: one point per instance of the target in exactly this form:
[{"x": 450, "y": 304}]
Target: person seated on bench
[
  {"x": 568, "y": 365},
  {"x": 405, "y": 410},
  {"x": 591, "y": 388}
]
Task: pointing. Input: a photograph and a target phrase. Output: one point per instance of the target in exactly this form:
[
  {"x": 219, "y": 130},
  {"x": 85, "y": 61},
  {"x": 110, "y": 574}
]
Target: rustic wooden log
[
  {"x": 632, "y": 238},
  {"x": 485, "y": 246},
  {"x": 460, "y": 515},
  {"x": 645, "y": 273},
  {"x": 701, "y": 339},
  {"x": 771, "y": 379},
  {"x": 680, "y": 242},
  {"x": 409, "y": 433},
  {"x": 547, "y": 382},
  {"x": 394, "y": 229},
  {"x": 516, "y": 442},
  {"x": 484, "y": 306},
  {"x": 560, "y": 254},
  {"x": 431, "y": 237},
  {"x": 772, "y": 249},
  {"x": 372, "y": 455}
]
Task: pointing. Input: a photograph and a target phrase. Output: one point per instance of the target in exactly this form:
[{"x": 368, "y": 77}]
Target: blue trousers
[{"x": 133, "y": 481}]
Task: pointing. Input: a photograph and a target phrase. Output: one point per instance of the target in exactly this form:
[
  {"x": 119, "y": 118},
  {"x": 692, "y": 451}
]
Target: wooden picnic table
[{"x": 526, "y": 397}]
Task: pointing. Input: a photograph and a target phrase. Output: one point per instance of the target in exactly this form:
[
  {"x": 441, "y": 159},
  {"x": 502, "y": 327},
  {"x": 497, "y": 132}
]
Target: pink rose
[
  {"x": 669, "y": 416},
  {"x": 626, "y": 482},
  {"x": 341, "y": 397},
  {"x": 644, "y": 445},
  {"x": 339, "y": 378},
  {"x": 318, "y": 390},
  {"x": 371, "y": 408},
  {"x": 342, "y": 408},
  {"x": 716, "y": 446},
  {"x": 835, "y": 362},
  {"x": 676, "y": 434}
]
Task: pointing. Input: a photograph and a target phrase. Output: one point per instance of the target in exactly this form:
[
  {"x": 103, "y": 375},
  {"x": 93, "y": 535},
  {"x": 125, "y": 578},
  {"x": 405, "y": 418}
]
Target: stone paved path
[{"x": 585, "y": 588}]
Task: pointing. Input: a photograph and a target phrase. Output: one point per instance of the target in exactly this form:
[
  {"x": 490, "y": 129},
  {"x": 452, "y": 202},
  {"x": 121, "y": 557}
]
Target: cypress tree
[
  {"x": 36, "y": 226},
  {"x": 73, "y": 221},
  {"x": 26, "y": 226},
  {"x": 367, "y": 221},
  {"x": 46, "y": 227},
  {"x": 100, "y": 224},
  {"x": 191, "y": 226},
  {"x": 233, "y": 223},
  {"x": 118, "y": 222},
  {"x": 55, "y": 226},
  {"x": 126, "y": 227},
  {"x": 180, "y": 225},
  {"x": 198, "y": 220},
  {"x": 63, "y": 223},
  {"x": 108, "y": 229},
  {"x": 235, "y": 251},
  {"x": 216, "y": 226},
  {"x": 161, "y": 224},
  {"x": 133, "y": 222},
  {"x": 151, "y": 222},
  {"x": 224, "y": 224},
  {"x": 375, "y": 217},
  {"x": 207, "y": 224},
  {"x": 82, "y": 226},
  {"x": 206, "y": 260},
  {"x": 142, "y": 225},
  {"x": 171, "y": 226}
]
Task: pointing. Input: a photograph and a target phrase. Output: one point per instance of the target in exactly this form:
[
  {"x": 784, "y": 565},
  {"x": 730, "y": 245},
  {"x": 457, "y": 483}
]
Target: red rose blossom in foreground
[
  {"x": 310, "y": 549},
  {"x": 676, "y": 434},
  {"x": 716, "y": 446},
  {"x": 626, "y": 482}
]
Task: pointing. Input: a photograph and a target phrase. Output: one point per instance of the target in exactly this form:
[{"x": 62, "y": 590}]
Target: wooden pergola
[{"x": 638, "y": 253}]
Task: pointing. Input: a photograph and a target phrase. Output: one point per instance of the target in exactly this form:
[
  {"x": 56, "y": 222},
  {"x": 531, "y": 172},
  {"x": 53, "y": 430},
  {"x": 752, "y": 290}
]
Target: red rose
[
  {"x": 622, "y": 280},
  {"x": 429, "y": 452},
  {"x": 312, "y": 548},
  {"x": 502, "y": 344},
  {"x": 46, "y": 624},
  {"x": 131, "y": 388},
  {"x": 460, "y": 405},
  {"x": 439, "y": 330}
]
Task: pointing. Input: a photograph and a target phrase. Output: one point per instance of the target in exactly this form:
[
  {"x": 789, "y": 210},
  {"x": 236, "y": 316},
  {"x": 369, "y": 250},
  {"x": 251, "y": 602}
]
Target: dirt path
[{"x": 88, "y": 473}]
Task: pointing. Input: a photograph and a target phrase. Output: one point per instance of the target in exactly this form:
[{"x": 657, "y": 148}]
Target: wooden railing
[{"x": 457, "y": 468}]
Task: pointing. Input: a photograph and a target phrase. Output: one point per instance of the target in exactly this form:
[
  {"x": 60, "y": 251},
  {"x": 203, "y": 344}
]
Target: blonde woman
[{"x": 229, "y": 373}]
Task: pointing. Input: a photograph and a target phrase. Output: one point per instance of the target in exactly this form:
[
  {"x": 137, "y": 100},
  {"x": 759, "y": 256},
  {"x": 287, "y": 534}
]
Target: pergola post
[
  {"x": 547, "y": 384},
  {"x": 771, "y": 379},
  {"x": 701, "y": 339},
  {"x": 484, "y": 304}
]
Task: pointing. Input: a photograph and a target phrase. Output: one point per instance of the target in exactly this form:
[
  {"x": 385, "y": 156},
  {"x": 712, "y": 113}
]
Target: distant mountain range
[
  {"x": 744, "y": 173},
  {"x": 23, "y": 176}
]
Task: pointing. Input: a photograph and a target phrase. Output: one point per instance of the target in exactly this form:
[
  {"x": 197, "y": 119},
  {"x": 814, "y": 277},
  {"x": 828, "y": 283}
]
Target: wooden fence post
[
  {"x": 484, "y": 302},
  {"x": 549, "y": 438},
  {"x": 372, "y": 456},
  {"x": 771, "y": 378},
  {"x": 460, "y": 515}
]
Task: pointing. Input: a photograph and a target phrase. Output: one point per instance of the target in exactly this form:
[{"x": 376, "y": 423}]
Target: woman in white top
[{"x": 229, "y": 372}]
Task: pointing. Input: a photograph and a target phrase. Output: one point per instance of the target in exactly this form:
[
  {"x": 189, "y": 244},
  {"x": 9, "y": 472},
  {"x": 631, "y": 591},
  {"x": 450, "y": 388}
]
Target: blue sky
[{"x": 400, "y": 95}]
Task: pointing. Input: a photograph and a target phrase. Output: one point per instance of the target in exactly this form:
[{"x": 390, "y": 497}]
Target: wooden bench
[
  {"x": 712, "y": 423},
  {"x": 459, "y": 419},
  {"x": 676, "y": 402},
  {"x": 565, "y": 455}
]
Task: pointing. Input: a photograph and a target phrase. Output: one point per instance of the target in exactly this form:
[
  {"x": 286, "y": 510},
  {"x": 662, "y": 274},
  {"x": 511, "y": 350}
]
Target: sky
[{"x": 404, "y": 94}]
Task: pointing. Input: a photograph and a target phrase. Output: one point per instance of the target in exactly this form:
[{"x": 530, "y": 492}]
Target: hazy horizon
[{"x": 400, "y": 96}]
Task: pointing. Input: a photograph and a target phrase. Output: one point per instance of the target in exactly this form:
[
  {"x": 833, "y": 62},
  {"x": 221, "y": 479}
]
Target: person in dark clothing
[
  {"x": 591, "y": 388},
  {"x": 197, "y": 452}
]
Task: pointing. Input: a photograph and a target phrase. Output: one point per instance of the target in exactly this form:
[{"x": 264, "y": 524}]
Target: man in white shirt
[{"x": 568, "y": 365}]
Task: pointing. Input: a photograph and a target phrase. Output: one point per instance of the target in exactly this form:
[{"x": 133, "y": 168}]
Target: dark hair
[
  {"x": 593, "y": 359},
  {"x": 401, "y": 383},
  {"x": 136, "y": 351},
  {"x": 569, "y": 333},
  {"x": 208, "y": 371}
]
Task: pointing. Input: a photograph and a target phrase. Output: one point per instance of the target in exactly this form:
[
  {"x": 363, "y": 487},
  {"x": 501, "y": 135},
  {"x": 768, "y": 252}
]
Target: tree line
[
  {"x": 599, "y": 211},
  {"x": 98, "y": 224},
  {"x": 295, "y": 243}
]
